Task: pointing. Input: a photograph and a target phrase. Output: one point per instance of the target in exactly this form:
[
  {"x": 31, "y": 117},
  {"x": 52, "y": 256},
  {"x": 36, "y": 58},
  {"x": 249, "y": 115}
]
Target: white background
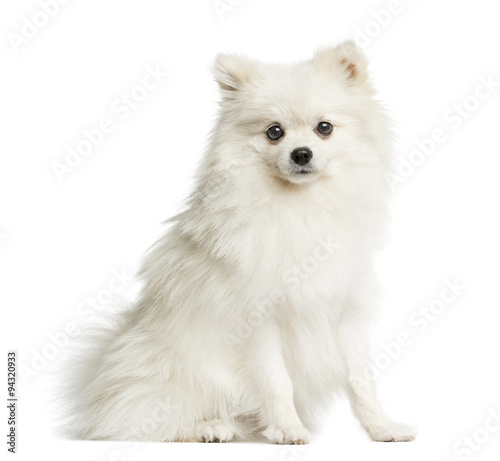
[{"x": 61, "y": 240}]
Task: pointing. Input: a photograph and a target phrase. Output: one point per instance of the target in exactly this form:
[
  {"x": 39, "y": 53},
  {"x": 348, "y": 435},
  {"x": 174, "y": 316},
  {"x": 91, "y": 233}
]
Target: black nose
[{"x": 301, "y": 155}]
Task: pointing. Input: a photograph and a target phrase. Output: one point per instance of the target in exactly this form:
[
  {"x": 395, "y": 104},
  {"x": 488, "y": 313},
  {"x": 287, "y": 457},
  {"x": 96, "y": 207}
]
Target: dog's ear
[
  {"x": 346, "y": 58},
  {"x": 232, "y": 72}
]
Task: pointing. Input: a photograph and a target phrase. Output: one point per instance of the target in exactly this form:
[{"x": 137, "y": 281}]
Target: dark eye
[
  {"x": 325, "y": 128},
  {"x": 274, "y": 132}
]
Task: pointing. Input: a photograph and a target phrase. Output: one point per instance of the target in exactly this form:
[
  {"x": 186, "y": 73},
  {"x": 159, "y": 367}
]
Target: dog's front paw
[
  {"x": 292, "y": 435},
  {"x": 214, "y": 431},
  {"x": 392, "y": 432}
]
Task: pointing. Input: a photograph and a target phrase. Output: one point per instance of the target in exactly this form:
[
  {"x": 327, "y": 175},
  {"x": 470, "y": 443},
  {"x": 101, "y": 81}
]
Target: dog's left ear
[
  {"x": 232, "y": 73},
  {"x": 346, "y": 58}
]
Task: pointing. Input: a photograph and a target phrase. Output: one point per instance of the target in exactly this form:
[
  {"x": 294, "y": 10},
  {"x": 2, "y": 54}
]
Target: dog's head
[{"x": 301, "y": 121}]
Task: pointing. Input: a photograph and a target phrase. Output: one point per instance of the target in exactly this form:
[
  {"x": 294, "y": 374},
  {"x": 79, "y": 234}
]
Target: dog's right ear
[{"x": 232, "y": 73}]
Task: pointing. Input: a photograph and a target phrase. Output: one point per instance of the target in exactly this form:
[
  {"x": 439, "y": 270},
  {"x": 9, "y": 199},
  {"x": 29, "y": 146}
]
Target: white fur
[{"x": 257, "y": 301}]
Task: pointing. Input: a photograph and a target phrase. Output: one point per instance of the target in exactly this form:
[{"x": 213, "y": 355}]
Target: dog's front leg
[
  {"x": 277, "y": 410},
  {"x": 361, "y": 388}
]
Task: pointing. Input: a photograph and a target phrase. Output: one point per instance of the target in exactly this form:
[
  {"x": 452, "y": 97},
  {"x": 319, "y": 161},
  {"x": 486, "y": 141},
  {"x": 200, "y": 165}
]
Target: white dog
[{"x": 257, "y": 301}]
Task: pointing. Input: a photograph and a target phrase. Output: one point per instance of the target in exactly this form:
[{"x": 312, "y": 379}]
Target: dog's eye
[
  {"x": 325, "y": 128},
  {"x": 274, "y": 132}
]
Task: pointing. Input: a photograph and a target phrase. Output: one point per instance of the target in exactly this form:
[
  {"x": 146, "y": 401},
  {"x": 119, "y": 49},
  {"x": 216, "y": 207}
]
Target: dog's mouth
[
  {"x": 302, "y": 171},
  {"x": 302, "y": 174},
  {"x": 298, "y": 173}
]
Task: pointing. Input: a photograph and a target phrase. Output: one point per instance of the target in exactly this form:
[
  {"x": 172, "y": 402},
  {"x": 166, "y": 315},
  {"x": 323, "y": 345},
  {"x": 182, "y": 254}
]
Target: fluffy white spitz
[{"x": 257, "y": 301}]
